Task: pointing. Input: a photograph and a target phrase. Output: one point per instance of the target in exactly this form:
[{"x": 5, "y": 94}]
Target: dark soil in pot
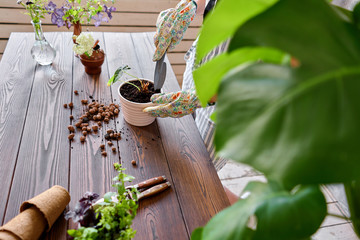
[{"x": 133, "y": 94}]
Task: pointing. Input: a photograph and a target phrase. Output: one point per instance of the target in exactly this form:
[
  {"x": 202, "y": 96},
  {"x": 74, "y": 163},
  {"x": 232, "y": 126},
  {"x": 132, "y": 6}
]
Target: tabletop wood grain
[{"x": 35, "y": 153}]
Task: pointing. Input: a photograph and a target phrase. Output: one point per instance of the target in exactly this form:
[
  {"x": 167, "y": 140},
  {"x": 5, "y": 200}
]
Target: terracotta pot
[
  {"x": 77, "y": 30},
  {"x": 93, "y": 63},
  {"x": 133, "y": 111}
]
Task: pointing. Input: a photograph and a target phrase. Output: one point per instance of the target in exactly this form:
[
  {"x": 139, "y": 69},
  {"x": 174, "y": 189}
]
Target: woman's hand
[
  {"x": 171, "y": 26},
  {"x": 176, "y": 104}
]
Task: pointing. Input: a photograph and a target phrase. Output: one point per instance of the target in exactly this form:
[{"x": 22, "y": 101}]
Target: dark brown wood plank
[
  {"x": 90, "y": 171},
  {"x": 43, "y": 159},
  {"x": 189, "y": 162},
  {"x": 17, "y": 68},
  {"x": 159, "y": 217}
]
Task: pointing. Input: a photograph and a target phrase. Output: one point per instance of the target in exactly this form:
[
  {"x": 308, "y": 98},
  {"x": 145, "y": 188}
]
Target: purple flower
[
  {"x": 51, "y": 6},
  {"x": 109, "y": 10},
  {"x": 57, "y": 16},
  {"x": 99, "y": 18}
]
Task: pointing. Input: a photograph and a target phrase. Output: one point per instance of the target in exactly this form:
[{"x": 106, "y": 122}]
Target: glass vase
[{"x": 42, "y": 52}]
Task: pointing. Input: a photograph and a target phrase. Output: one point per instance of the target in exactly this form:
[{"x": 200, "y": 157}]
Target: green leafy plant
[
  {"x": 80, "y": 11},
  {"x": 124, "y": 70},
  {"x": 35, "y": 9},
  {"x": 108, "y": 219},
  {"x": 296, "y": 123}
]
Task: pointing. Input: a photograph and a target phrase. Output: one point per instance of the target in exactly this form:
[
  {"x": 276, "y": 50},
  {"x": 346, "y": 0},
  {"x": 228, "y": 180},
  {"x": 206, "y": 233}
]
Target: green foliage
[
  {"x": 297, "y": 123},
  {"x": 120, "y": 72},
  {"x": 116, "y": 216},
  {"x": 35, "y": 9},
  {"x": 264, "y": 215}
]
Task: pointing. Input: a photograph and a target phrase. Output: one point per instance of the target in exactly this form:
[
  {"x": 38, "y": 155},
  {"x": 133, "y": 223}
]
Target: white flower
[{"x": 85, "y": 43}]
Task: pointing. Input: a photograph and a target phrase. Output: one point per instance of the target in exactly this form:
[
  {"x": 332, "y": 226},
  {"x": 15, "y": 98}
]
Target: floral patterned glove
[
  {"x": 177, "y": 104},
  {"x": 171, "y": 26}
]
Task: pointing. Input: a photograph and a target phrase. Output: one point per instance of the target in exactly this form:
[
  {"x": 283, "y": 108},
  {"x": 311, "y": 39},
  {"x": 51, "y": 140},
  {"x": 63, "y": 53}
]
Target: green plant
[
  {"x": 108, "y": 219},
  {"x": 35, "y": 9},
  {"x": 80, "y": 11},
  {"x": 298, "y": 124},
  {"x": 120, "y": 72}
]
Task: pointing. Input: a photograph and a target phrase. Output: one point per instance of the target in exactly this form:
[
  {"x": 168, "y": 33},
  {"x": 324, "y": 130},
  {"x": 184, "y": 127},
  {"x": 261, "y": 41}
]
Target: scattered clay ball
[
  {"x": 95, "y": 128},
  {"x": 113, "y": 149},
  {"x": 99, "y": 123},
  {"x": 102, "y": 146},
  {"x": 84, "y": 133},
  {"x": 78, "y": 124},
  {"x": 88, "y": 129},
  {"x": 133, "y": 162},
  {"x": 76, "y": 92},
  {"x": 84, "y": 128},
  {"x": 71, "y": 128},
  {"x": 71, "y": 105},
  {"x": 82, "y": 139},
  {"x": 116, "y": 111},
  {"x": 71, "y": 136},
  {"x": 111, "y": 135},
  {"x": 71, "y": 117},
  {"x": 84, "y": 101},
  {"x": 106, "y": 120},
  {"x": 109, "y": 143},
  {"x": 109, "y": 131},
  {"x": 104, "y": 154},
  {"x": 65, "y": 105},
  {"x": 85, "y": 119}
]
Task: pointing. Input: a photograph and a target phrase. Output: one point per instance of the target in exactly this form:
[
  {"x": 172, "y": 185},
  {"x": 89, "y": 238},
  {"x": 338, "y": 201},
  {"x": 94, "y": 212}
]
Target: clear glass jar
[{"x": 42, "y": 52}]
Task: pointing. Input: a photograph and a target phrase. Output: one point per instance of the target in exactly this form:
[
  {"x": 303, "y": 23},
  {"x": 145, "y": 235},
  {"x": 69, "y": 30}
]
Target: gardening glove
[
  {"x": 171, "y": 26},
  {"x": 176, "y": 104}
]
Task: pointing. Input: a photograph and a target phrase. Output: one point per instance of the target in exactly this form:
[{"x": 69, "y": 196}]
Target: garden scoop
[
  {"x": 148, "y": 188},
  {"x": 160, "y": 73}
]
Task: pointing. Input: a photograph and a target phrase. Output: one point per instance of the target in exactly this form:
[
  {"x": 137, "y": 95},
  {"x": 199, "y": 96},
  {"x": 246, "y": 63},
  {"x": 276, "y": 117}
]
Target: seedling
[{"x": 120, "y": 72}]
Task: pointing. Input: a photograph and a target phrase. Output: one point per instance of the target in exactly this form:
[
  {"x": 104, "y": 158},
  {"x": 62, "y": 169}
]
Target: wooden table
[{"x": 35, "y": 153}]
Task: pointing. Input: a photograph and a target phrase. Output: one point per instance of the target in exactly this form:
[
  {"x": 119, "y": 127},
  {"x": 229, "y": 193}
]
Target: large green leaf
[
  {"x": 294, "y": 131},
  {"x": 228, "y": 16},
  {"x": 353, "y": 197},
  {"x": 320, "y": 39},
  {"x": 209, "y": 75},
  {"x": 275, "y": 214}
]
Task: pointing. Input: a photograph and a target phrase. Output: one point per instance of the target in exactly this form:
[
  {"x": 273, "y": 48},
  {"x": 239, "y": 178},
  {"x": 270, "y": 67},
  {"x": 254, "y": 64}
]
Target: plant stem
[{"x": 137, "y": 79}]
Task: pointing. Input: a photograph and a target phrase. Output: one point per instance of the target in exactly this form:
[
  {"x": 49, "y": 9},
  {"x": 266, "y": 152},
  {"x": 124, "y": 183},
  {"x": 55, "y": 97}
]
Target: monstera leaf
[
  {"x": 269, "y": 212},
  {"x": 297, "y": 125},
  {"x": 229, "y": 15}
]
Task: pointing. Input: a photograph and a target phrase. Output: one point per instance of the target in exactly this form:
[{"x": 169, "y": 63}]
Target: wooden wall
[{"x": 130, "y": 16}]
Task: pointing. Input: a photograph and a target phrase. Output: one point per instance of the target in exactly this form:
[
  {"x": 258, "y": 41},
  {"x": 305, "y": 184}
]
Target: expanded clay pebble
[
  {"x": 133, "y": 162},
  {"x": 82, "y": 139},
  {"x": 109, "y": 143},
  {"x": 76, "y": 92},
  {"x": 65, "y": 105},
  {"x": 71, "y": 128},
  {"x": 104, "y": 154},
  {"x": 71, "y": 117},
  {"x": 71, "y": 136},
  {"x": 113, "y": 149},
  {"x": 102, "y": 146},
  {"x": 84, "y": 133},
  {"x": 95, "y": 128},
  {"x": 71, "y": 105},
  {"x": 84, "y": 101}
]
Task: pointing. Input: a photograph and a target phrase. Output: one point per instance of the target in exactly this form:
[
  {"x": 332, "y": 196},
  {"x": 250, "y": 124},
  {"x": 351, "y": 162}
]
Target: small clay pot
[{"x": 93, "y": 63}]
